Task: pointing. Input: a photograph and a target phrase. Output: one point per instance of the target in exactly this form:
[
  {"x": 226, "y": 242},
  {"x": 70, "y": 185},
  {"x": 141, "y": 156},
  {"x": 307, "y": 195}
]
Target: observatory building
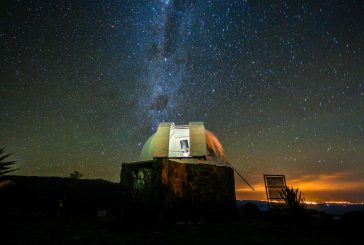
[{"x": 182, "y": 174}]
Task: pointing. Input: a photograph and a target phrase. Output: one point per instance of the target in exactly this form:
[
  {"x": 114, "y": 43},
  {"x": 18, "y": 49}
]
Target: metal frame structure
[{"x": 272, "y": 190}]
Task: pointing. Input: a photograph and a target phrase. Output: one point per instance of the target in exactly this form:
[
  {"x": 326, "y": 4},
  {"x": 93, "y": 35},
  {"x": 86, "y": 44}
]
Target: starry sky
[{"x": 83, "y": 84}]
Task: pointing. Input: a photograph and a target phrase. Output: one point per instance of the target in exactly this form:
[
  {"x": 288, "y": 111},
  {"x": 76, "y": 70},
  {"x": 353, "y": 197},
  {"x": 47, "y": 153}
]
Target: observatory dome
[{"x": 182, "y": 141}]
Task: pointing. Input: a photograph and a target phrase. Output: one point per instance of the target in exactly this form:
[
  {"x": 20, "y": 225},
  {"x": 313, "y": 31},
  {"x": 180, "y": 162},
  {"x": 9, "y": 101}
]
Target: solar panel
[{"x": 273, "y": 186}]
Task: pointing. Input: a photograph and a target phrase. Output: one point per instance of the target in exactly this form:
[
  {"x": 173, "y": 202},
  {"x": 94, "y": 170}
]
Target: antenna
[{"x": 241, "y": 176}]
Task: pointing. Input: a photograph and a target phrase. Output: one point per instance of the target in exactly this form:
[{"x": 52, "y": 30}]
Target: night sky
[{"x": 281, "y": 84}]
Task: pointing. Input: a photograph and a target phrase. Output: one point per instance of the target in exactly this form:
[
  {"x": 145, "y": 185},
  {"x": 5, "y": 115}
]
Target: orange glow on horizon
[{"x": 321, "y": 188}]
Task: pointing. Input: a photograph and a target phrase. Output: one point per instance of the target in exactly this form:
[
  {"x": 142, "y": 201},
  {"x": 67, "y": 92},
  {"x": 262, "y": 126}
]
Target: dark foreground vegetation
[{"x": 74, "y": 211}]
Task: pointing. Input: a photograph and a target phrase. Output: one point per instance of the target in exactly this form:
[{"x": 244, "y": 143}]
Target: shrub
[
  {"x": 293, "y": 198},
  {"x": 5, "y": 166}
]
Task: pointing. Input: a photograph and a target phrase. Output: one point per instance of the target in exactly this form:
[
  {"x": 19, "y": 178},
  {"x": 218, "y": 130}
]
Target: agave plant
[
  {"x": 293, "y": 198},
  {"x": 5, "y": 166}
]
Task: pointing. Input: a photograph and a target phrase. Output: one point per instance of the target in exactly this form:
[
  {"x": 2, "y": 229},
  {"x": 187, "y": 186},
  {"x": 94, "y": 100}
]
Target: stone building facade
[{"x": 167, "y": 189}]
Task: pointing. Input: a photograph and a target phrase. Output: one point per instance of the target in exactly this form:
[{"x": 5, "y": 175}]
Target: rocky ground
[{"x": 262, "y": 228}]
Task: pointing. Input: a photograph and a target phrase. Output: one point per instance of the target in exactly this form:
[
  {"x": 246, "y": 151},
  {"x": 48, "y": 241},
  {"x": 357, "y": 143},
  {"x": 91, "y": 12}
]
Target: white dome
[{"x": 182, "y": 141}]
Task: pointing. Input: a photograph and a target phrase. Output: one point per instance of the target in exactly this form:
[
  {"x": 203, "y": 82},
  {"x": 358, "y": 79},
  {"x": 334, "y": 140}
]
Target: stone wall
[{"x": 179, "y": 190}]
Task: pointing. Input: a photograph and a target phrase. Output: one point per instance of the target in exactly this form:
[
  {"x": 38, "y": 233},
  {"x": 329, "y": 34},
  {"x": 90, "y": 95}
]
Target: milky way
[
  {"x": 166, "y": 54},
  {"x": 280, "y": 83}
]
